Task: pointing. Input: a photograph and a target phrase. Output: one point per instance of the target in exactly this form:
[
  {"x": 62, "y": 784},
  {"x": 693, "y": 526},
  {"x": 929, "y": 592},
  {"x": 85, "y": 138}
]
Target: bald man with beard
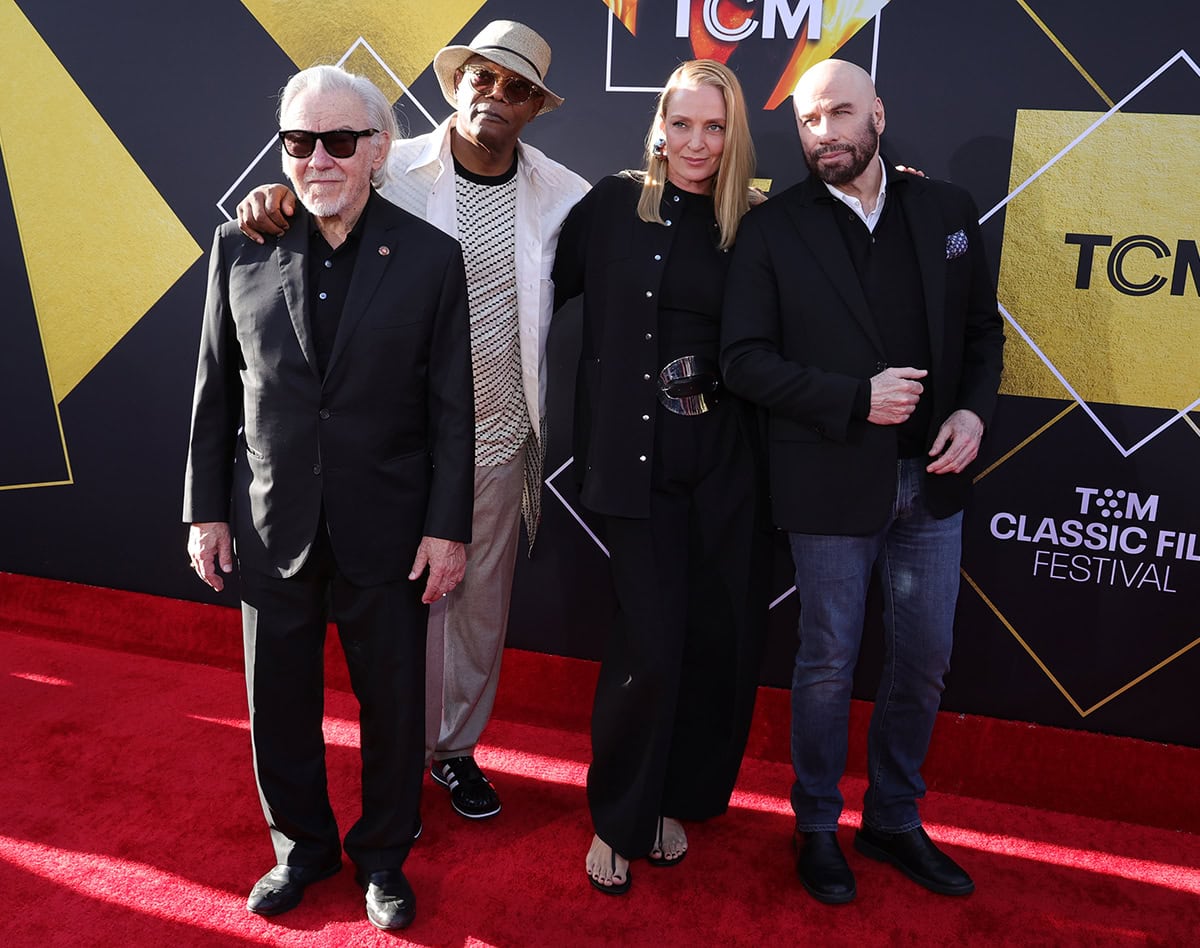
[{"x": 861, "y": 314}]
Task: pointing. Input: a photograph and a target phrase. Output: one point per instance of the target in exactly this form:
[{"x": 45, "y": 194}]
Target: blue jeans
[{"x": 917, "y": 557}]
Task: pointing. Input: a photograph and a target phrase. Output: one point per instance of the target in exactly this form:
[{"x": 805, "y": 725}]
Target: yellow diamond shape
[
  {"x": 1133, "y": 177},
  {"x": 404, "y": 33},
  {"x": 101, "y": 245}
]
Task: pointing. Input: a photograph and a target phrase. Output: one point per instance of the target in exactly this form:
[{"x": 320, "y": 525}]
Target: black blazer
[
  {"x": 798, "y": 338},
  {"x": 385, "y": 442}
]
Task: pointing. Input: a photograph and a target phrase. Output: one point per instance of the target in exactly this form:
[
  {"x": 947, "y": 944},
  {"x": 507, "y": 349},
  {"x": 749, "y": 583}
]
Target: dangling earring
[{"x": 658, "y": 149}]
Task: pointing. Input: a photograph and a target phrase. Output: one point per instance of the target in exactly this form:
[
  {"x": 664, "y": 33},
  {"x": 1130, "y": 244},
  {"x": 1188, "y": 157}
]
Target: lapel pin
[{"x": 384, "y": 251}]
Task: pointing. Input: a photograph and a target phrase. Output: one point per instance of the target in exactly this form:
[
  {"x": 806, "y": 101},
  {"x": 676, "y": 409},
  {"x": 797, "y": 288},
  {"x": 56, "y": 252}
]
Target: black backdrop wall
[{"x": 130, "y": 128}]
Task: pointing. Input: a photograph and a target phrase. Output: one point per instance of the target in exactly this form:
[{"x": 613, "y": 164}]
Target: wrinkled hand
[
  {"x": 957, "y": 443},
  {"x": 210, "y": 546},
  {"x": 894, "y": 395},
  {"x": 266, "y": 210},
  {"x": 447, "y": 562}
]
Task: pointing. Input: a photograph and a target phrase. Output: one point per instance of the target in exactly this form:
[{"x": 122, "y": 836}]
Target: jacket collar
[
  {"x": 813, "y": 218},
  {"x": 825, "y": 241},
  {"x": 292, "y": 252}
]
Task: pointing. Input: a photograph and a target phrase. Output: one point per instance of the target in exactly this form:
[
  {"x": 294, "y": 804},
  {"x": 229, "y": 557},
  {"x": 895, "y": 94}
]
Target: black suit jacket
[
  {"x": 384, "y": 442},
  {"x": 799, "y": 339}
]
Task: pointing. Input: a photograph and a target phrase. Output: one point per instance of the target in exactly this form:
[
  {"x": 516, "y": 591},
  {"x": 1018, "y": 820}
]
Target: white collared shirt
[{"x": 856, "y": 205}]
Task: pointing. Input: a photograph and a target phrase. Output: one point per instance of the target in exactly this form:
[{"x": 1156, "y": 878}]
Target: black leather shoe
[
  {"x": 822, "y": 868},
  {"x": 471, "y": 793},
  {"x": 914, "y": 854},
  {"x": 390, "y": 900},
  {"x": 283, "y": 887}
]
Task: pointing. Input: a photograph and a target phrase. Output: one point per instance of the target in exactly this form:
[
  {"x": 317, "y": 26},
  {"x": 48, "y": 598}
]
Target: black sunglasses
[
  {"x": 516, "y": 90},
  {"x": 340, "y": 143}
]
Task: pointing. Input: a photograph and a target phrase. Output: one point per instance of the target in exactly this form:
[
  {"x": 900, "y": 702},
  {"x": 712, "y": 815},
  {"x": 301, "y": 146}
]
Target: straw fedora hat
[{"x": 506, "y": 43}]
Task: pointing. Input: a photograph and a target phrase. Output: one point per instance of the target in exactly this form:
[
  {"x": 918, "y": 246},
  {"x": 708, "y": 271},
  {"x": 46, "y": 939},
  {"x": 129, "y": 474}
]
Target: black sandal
[{"x": 617, "y": 888}]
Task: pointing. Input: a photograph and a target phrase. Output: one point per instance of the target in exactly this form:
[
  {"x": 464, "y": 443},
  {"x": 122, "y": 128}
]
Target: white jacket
[{"x": 421, "y": 180}]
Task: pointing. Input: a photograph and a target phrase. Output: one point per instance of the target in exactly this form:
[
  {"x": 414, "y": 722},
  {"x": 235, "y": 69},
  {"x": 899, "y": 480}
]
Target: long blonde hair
[{"x": 731, "y": 188}]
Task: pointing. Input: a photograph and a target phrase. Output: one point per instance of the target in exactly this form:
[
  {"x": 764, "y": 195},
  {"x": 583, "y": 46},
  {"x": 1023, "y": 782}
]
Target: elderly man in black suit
[
  {"x": 332, "y": 440},
  {"x": 860, "y": 312}
]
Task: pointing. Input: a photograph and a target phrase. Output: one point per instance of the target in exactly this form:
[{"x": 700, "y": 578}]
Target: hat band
[{"x": 505, "y": 49}]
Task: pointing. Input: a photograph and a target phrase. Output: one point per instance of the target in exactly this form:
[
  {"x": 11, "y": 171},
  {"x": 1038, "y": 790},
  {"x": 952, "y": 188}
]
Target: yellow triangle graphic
[
  {"x": 404, "y": 33},
  {"x": 101, "y": 246}
]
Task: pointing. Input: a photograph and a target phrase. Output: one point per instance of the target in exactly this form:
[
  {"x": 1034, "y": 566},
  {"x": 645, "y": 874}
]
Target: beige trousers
[{"x": 467, "y": 627}]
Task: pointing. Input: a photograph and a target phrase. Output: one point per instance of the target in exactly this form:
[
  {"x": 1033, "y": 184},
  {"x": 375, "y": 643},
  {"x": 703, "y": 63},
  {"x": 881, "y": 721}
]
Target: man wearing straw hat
[{"x": 505, "y": 202}]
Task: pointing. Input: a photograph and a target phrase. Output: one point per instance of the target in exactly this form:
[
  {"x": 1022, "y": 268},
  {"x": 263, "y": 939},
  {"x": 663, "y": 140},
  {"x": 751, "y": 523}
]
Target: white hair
[{"x": 336, "y": 79}]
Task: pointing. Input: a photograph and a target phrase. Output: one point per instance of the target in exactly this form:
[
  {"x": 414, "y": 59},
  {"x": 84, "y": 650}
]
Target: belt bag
[{"x": 689, "y": 385}]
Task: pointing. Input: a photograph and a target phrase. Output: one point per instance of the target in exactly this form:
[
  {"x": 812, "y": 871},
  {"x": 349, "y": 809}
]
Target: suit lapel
[
  {"x": 817, "y": 227},
  {"x": 291, "y": 251},
  {"x": 375, "y": 253},
  {"x": 929, "y": 241}
]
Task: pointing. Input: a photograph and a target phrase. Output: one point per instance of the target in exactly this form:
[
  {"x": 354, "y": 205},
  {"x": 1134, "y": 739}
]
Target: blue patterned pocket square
[{"x": 956, "y": 244}]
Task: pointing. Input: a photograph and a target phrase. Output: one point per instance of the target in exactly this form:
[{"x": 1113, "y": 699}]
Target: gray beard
[
  {"x": 318, "y": 207},
  {"x": 863, "y": 151}
]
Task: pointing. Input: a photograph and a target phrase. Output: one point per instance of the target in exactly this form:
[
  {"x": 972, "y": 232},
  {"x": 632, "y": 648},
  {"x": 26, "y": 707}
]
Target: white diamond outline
[
  {"x": 1182, "y": 55},
  {"x": 549, "y": 482},
  {"x": 273, "y": 141}
]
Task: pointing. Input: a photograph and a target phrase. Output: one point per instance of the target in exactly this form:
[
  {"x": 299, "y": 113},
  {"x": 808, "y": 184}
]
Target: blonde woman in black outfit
[{"x": 669, "y": 460}]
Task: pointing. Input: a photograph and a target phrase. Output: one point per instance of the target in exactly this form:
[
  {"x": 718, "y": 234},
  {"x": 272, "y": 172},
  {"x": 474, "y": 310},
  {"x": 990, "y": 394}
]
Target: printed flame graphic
[
  {"x": 626, "y": 12},
  {"x": 841, "y": 20}
]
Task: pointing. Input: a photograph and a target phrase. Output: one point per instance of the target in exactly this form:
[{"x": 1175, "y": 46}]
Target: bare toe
[
  {"x": 674, "y": 839},
  {"x": 606, "y": 867},
  {"x": 670, "y": 844}
]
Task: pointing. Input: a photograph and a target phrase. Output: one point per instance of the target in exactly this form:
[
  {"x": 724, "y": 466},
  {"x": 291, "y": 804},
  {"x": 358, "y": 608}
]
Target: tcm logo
[
  {"x": 1118, "y": 504},
  {"x": 776, "y": 14},
  {"x": 1132, "y": 258}
]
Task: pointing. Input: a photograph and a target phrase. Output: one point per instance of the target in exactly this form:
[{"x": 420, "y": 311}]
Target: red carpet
[{"x": 128, "y": 817}]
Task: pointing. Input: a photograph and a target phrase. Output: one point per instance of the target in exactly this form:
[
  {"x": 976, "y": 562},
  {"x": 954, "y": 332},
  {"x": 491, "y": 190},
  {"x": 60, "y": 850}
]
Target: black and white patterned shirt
[{"x": 486, "y": 209}]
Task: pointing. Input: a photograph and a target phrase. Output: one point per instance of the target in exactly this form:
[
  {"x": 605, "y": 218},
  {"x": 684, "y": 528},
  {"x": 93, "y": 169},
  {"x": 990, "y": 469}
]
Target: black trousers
[
  {"x": 680, "y": 670},
  {"x": 382, "y": 631}
]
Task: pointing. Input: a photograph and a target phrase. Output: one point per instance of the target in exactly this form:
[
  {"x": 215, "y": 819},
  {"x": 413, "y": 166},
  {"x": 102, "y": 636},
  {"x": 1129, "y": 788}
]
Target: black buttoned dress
[{"x": 683, "y": 514}]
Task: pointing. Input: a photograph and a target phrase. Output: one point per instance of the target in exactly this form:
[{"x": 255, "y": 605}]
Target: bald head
[
  {"x": 840, "y": 119},
  {"x": 834, "y": 76}
]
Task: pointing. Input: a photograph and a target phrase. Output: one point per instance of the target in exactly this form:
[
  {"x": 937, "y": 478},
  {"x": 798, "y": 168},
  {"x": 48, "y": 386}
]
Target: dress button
[
  {"x": 649, "y": 335},
  {"x": 322, "y": 296},
  {"x": 324, "y": 413},
  {"x": 658, "y": 256},
  {"x": 645, "y": 417},
  {"x": 668, "y": 223},
  {"x": 676, "y": 199},
  {"x": 328, "y": 264},
  {"x": 316, "y": 468},
  {"x": 646, "y": 376},
  {"x": 642, "y": 457},
  {"x": 649, "y": 293}
]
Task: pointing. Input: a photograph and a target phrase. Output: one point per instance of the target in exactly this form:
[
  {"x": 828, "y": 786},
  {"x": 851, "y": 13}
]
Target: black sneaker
[{"x": 471, "y": 793}]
